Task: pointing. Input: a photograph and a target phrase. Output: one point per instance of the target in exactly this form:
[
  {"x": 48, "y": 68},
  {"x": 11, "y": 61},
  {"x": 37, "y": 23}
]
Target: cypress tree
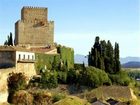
[
  {"x": 109, "y": 58},
  {"x": 11, "y": 39},
  {"x": 116, "y": 58},
  {"x": 104, "y": 57}
]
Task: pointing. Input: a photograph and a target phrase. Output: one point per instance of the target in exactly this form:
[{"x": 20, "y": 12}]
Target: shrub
[
  {"x": 49, "y": 79},
  {"x": 121, "y": 78},
  {"x": 94, "y": 77},
  {"x": 57, "y": 97},
  {"x": 22, "y": 97},
  {"x": 41, "y": 97},
  {"x": 16, "y": 81}
]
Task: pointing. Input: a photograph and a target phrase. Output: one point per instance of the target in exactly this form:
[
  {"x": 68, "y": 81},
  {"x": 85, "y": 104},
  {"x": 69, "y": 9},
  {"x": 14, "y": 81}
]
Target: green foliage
[
  {"x": 61, "y": 61},
  {"x": 16, "y": 81},
  {"x": 73, "y": 76},
  {"x": 9, "y": 40},
  {"x": 49, "y": 79},
  {"x": 50, "y": 61},
  {"x": 72, "y": 100},
  {"x": 62, "y": 77},
  {"x": 121, "y": 78},
  {"x": 94, "y": 77},
  {"x": 66, "y": 55},
  {"x": 104, "y": 57},
  {"x": 134, "y": 74},
  {"x": 57, "y": 97},
  {"x": 116, "y": 58}
]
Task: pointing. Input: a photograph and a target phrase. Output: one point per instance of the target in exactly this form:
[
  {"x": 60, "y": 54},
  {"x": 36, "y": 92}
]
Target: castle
[
  {"x": 34, "y": 29},
  {"x": 33, "y": 34}
]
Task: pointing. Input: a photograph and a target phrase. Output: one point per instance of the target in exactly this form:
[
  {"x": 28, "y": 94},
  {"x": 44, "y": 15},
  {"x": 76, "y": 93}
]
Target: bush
[
  {"x": 121, "y": 78},
  {"x": 16, "y": 81},
  {"x": 41, "y": 97},
  {"x": 94, "y": 77},
  {"x": 73, "y": 76},
  {"x": 49, "y": 79},
  {"x": 22, "y": 97},
  {"x": 57, "y": 97},
  {"x": 62, "y": 76}
]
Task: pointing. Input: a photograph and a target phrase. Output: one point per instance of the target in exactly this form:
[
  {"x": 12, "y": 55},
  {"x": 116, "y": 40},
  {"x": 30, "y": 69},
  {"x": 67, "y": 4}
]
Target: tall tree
[
  {"x": 9, "y": 40},
  {"x": 103, "y": 56},
  {"x": 116, "y": 58},
  {"x": 109, "y": 58}
]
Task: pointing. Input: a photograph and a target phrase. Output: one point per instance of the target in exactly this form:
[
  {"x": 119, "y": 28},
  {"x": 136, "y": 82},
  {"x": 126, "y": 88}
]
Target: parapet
[{"x": 32, "y": 13}]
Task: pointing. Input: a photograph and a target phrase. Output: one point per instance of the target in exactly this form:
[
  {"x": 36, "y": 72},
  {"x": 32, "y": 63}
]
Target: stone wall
[
  {"x": 3, "y": 83},
  {"x": 7, "y": 59},
  {"x": 27, "y": 68},
  {"x": 34, "y": 29}
]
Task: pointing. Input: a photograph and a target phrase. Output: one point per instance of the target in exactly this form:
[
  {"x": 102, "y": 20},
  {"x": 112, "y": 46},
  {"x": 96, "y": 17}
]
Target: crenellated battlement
[{"x": 32, "y": 7}]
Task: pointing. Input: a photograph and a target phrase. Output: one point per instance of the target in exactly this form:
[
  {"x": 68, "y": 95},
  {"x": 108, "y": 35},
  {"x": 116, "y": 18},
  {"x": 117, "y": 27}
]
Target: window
[
  {"x": 19, "y": 57},
  {"x": 32, "y": 57},
  {"x": 24, "y": 56},
  {"x": 28, "y": 57}
]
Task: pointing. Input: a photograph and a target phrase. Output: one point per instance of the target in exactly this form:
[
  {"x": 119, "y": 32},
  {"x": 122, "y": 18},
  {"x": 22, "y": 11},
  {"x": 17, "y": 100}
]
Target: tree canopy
[{"x": 104, "y": 56}]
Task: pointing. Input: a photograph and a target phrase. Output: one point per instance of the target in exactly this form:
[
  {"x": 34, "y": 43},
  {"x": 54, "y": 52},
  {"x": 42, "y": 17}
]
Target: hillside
[
  {"x": 132, "y": 64},
  {"x": 128, "y": 59}
]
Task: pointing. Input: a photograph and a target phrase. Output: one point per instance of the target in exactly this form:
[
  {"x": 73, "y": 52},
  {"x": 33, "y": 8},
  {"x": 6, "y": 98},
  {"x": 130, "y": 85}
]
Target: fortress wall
[
  {"x": 27, "y": 68},
  {"x": 34, "y": 28},
  {"x": 19, "y": 30},
  {"x": 3, "y": 83},
  {"x": 32, "y": 13}
]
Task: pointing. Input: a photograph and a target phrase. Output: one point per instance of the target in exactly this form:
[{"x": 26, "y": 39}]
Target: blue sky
[{"x": 78, "y": 22}]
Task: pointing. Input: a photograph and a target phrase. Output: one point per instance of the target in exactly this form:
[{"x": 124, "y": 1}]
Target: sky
[{"x": 78, "y": 22}]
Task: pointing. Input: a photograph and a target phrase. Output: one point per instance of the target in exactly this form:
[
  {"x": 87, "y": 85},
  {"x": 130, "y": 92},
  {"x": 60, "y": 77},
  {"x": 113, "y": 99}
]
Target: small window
[
  {"x": 28, "y": 57},
  {"x": 19, "y": 56},
  {"x": 24, "y": 56},
  {"x": 32, "y": 57}
]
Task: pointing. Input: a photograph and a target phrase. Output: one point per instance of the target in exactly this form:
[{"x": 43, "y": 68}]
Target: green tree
[
  {"x": 49, "y": 79},
  {"x": 9, "y": 40},
  {"x": 104, "y": 57},
  {"x": 116, "y": 58},
  {"x": 109, "y": 61}
]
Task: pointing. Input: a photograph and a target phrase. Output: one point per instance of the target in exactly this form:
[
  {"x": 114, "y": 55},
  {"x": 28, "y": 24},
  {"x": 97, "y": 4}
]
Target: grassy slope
[{"x": 72, "y": 100}]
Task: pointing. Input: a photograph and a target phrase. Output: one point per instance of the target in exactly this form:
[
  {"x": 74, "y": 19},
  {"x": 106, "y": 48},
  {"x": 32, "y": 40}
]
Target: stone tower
[{"x": 34, "y": 29}]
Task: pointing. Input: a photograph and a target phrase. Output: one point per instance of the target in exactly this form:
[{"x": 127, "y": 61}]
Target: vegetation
[
  {"x": 104, "y": 57},
  {"x": 9, "y": 40},
  {"x": 120, "y": 78},
  {"x": 66, "y": 55},
  {"x": 61, "y": 61},
  {"x": 58, "y": 97},
  {"x": 22, "y": 97},
  {"x": 72, "y": 101},
  {"x": 103, "y": 70},
  {"x": 16, "y": 82},
  {"x": 49, "y": 79}
]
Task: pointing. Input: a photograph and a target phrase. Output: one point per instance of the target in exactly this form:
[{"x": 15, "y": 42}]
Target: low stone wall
[
  {"x": 27, "y": 68},
  {"x": 3, "y": 83}
]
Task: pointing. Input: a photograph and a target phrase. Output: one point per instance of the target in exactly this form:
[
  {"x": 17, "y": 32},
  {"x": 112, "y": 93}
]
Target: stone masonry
[{"x": 34, "y": 29}]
